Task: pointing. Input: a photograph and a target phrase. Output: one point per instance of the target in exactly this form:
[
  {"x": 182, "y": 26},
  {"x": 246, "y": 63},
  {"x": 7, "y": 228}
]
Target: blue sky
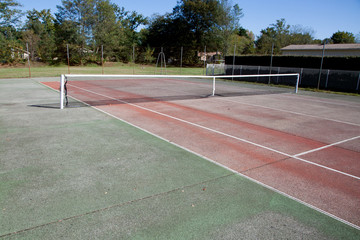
[{"x": 324, "y": 17}]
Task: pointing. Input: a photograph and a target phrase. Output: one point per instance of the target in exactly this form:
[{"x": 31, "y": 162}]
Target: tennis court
[{"x": 162, "y": 158}]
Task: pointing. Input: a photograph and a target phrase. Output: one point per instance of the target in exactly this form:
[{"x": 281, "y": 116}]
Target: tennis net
[{"x": 107, "y": 89}]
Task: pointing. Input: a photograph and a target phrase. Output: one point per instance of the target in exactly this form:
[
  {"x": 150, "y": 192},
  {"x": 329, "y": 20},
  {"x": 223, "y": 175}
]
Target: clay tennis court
[{"x": 303, "y": 147}]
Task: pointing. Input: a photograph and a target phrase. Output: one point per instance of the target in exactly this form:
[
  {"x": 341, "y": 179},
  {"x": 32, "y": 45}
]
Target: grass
[{"x": 109, "y": 68}]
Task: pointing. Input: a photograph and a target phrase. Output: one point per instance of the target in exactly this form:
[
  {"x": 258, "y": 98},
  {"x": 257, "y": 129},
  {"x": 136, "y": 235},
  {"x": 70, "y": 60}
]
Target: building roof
[{"x": 347, "y": 46}]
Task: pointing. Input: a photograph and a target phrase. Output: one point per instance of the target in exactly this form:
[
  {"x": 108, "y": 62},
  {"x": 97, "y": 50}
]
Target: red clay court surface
[{"x": 304, "y": 146}]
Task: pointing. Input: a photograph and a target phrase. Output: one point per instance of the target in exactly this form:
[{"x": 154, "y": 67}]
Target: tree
[
  {"x": 172, "y": 34},
  {"x": 87, "y": 24},
  {"x": 265, "y": 41},
  {"x": 228, "y": 27},
  {"x": 78, "y": 15},
  {"x": 277, "y": 34},
  {"x": 301, "y": 35},
  {"x": 343, "y": 37},
  {"x": 210, "y": 22},
  {"x": 280, "y": 35},
  {"x": 128, "y": 22},
  {"x": 10, "y": 44},
  {"x": 107, "y": 31},
  {"x": 40, "y": 34},
  {"x": 194, "y": 24},
  {"x": 9, "y": 14}
]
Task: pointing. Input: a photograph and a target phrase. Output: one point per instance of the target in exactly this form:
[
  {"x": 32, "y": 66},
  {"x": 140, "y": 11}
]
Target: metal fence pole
[
  {"x": 271, "y": 61},
  {"x": 233, "y": 68},
  {"x": 133, "y": 58},
  {"x": 68, "y": 57},
  {"x": 102, "y": 58},
  {"x": 327, "y": 78},
  {"x": 322, "y": 60},
  {"x": 181, "y": 59},
  {"x": 204, "y": 59},
  {"x": 28, "y": 58}
]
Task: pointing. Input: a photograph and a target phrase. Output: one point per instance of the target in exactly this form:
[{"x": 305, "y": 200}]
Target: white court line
[
  {"x": 287, "y": 111},
  {"x": 221, "y": 133},
  {"x": 236, "y": 172},
  {"x": 327, "y": 146}
]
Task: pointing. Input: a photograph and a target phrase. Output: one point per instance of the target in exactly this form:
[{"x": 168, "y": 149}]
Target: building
[
  {"x": 210, "y": 56},
  {"x": 331, "y": 50}
]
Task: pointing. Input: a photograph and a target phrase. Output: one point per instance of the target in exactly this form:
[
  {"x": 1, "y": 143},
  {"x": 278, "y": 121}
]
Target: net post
[
  {"x": 297, "y": 83},
  {"x": 62, "y": 82},
  {"x": 213, "y": 90}
]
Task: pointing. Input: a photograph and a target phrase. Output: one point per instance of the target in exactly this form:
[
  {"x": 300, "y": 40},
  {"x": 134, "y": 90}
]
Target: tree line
[{"x": 86, "y": 28}]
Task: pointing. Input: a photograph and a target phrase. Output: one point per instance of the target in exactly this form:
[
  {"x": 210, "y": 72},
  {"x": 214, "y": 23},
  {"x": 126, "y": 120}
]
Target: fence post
[
  {"x": 321, "y": 65},
  {"x": 204, "y": 58},
  {"x": 68, "y": 57},
  {"x": 271, "y": 61},
  {"x": 297, "y": 83},
  {"x": 133, "y": 59},
  {"x": 181, "y": 59},
  {"x": 28, "y": 58},
  {"x": 233, "y": 68},
  {"x": 213, "y": 90},
  {"x": 327, "y": 78},
  {"x": 102, "y": 58}
]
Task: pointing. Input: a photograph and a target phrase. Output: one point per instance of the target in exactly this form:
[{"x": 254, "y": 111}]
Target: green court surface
[{"x": 78, "y": 173}]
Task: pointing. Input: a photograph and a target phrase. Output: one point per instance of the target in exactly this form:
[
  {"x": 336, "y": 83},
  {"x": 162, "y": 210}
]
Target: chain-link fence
[{"x": 335, "y": 80}]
